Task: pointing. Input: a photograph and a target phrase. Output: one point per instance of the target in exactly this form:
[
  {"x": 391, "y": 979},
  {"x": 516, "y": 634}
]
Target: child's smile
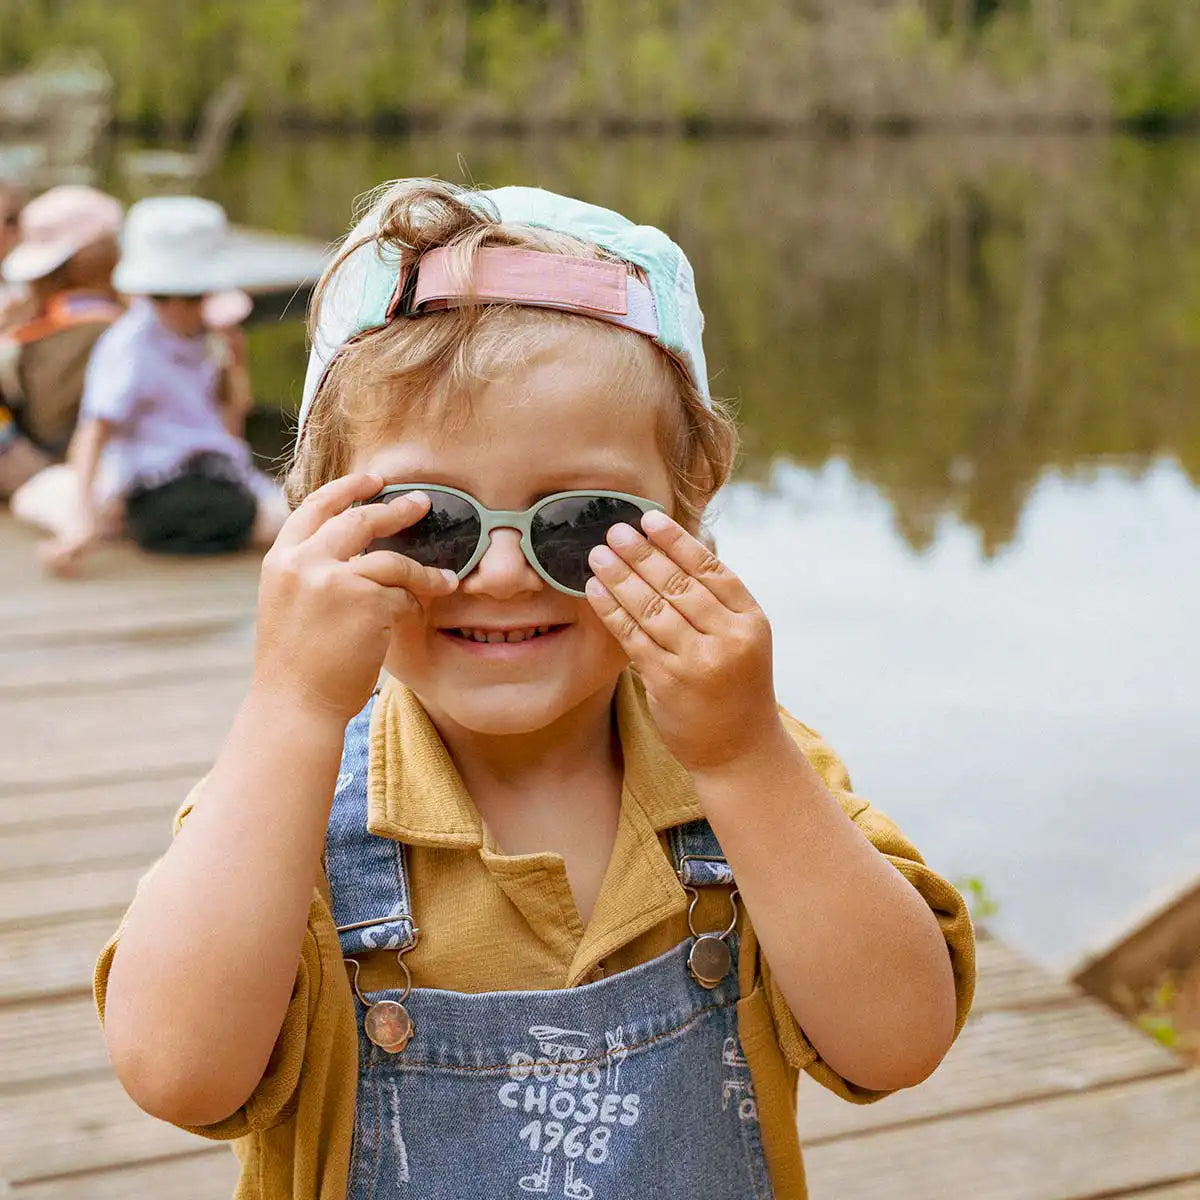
[
  {"x": 507, "y": 653},
  {"x": 504, "y": 635},
  {"x": 494, "y": 640}
]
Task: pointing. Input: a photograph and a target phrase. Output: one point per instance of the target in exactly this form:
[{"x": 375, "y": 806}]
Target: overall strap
[
  {"x": 698, "y": 857},
  {"x": 368, "y": 881}
]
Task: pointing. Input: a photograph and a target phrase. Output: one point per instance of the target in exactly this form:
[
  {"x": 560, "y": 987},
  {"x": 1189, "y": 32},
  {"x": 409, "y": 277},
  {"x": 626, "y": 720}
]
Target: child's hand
[
  {"x": 700, "y": 642},
  {"x": 326, "y": 611}
]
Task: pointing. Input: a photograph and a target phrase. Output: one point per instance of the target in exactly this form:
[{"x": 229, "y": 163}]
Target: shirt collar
[{"x": 416, "y": 795}]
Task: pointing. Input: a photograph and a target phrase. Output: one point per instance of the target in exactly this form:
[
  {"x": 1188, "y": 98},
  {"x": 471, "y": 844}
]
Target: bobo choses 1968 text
[{"x": 572, "y": 1110}]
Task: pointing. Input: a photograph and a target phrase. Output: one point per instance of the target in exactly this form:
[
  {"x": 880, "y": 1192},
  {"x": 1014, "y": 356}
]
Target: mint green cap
[{"x": 361, "y": 292}]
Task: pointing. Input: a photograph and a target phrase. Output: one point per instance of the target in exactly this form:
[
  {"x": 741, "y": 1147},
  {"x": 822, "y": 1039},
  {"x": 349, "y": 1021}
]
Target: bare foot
[{"x": 61, "y": 557}]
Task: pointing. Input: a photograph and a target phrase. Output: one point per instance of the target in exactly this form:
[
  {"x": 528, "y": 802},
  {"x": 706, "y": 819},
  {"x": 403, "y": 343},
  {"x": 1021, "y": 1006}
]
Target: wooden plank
[
  {"x": 1000, "y": 1058},
  {"x": 123, "y": 594},
  {"x": 78, "y": 668},
  {"x": 131, "y": 590},
  {"x": 81, "y": 1126},
  {"x": 154, "y": 728},
  {"x": 47, "y": 1040},
  {"x": 93, "y": 805},
  {"x": 1186, "y": 1189},
  {"x": 114, "y": 568},
  {"x": 207, "y": 1174},
  {"x": 1166, "y": 940},
  {"x": 52, "y": 960},
  {"x": 1125, "y": 1137},
  {"x": 54, "y": 896},
  {"x": 1008, "y": 980},
  {"x": 121, "y": 580},
  {"x": 172, "y": 617},
  {"x": 130, "y": 838}
]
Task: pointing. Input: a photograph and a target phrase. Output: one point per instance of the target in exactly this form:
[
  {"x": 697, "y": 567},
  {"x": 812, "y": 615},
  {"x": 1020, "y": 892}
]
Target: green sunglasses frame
[{"x": 522, "y": 521}]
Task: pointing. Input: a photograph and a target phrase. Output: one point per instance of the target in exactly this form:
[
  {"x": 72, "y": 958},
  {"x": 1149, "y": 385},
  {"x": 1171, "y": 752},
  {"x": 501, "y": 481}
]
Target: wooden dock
[{"x": 115, "y": 691}]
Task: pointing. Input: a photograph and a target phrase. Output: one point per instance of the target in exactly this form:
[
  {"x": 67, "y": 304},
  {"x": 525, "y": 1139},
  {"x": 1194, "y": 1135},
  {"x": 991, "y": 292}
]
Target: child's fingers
[
  {"x": 326, "y": 502},
  {"x": 389, "y": 569},
  {"x": 686, "y": 594},
  {"x": 352, "y": 531},
  {"x": 698, "y": 561},
  {"x": 666, "y": 627},
  {"x": 634, "y": 640}
]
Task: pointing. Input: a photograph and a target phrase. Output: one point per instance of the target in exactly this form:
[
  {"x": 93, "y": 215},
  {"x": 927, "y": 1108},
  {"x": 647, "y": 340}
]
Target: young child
[
  {"x": 162, "y": 415},
  {"x": 566, "y": 906},
  {"x": 64, "y": 258}
]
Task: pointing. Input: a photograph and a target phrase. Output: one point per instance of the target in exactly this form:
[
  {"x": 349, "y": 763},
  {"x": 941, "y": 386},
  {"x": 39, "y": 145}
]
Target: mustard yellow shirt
[{"x": 491, "y": 921}]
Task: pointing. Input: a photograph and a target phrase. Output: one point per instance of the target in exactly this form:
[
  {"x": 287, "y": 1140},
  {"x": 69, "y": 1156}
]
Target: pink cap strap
[{"x": 591, "y": 287}]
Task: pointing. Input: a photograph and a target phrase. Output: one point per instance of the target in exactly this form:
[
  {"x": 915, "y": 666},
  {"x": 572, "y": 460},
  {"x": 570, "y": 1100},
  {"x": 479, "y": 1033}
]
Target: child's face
[
  {"x": 183, "y": 315},
  {"x": 550, "y": 426}
]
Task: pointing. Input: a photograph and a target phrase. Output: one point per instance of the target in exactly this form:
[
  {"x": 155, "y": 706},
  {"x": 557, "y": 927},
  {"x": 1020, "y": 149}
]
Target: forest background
[
  {"x": 980, "y": 308},
  {"x": 688, "y": 65}
]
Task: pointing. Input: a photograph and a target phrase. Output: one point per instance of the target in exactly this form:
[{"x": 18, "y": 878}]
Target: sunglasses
[{"x": 557, "y": 533}]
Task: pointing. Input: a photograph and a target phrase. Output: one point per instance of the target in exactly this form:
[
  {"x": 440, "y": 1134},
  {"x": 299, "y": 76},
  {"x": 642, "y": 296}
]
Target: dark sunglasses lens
[
  {"x": 445, "y": 537},
  {"x": 564, "y": 531}
]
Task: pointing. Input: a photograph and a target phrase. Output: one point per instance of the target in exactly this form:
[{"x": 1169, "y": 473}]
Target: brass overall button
[
  {"x": 388, "y": 1025},
  {"x": 709, "y": 960}
]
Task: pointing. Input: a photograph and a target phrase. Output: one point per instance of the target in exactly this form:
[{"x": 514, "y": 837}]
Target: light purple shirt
[{"x": 159, "y": 391}]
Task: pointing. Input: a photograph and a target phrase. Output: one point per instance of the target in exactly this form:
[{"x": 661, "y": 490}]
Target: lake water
[{"x": 967, "y": 372}]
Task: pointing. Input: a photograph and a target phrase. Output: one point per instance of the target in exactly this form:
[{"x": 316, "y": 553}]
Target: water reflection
[
  {"x": 952, "y": 317},
  {"x": 1032, "y": 719}
]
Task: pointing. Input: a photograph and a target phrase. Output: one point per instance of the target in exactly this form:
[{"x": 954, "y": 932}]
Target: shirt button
[{"x": 596, "y": 973}]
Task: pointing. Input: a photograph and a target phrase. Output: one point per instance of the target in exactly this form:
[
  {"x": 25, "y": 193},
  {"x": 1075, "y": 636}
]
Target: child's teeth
[{"x": 495, "y": 635}]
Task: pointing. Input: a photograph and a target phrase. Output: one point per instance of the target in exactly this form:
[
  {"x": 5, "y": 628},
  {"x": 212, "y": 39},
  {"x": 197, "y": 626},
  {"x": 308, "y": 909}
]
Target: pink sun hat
[{"x": 57, "y": 225}]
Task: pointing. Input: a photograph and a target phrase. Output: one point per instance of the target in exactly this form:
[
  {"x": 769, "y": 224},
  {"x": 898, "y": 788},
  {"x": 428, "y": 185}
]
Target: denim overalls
[{"x": 634, "y": 1086}]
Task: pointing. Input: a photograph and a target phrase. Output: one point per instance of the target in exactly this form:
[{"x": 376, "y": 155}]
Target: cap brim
[{"x": 27, "y": 263}]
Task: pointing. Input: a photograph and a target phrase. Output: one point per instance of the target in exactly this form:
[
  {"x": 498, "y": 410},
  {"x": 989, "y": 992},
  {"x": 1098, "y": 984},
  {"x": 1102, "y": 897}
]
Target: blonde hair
[{"x": 431, "y": 366}]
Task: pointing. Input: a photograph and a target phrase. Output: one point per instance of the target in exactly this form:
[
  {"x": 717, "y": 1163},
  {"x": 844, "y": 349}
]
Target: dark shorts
[{"x": 204, "y": 507}]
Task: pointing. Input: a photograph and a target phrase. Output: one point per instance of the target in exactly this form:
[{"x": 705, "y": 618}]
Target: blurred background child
[
  {"x": 64, "y": 258},
  {"x": 162, "y": 413}
]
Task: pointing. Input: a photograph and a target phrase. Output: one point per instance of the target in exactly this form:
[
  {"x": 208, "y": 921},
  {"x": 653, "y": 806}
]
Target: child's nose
[{"x": 503, "y": 571}]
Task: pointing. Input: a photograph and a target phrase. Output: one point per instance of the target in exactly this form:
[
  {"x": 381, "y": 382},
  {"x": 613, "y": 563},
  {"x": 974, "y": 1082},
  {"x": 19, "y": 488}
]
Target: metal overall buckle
[
  {"x": 709, "y": 959},
  {"x": 387, "y": 1023}
]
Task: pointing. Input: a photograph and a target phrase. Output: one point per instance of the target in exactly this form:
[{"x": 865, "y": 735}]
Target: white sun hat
[
  {"x": 175, "y": 246},
  {"x": 56, "y": 226}
]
